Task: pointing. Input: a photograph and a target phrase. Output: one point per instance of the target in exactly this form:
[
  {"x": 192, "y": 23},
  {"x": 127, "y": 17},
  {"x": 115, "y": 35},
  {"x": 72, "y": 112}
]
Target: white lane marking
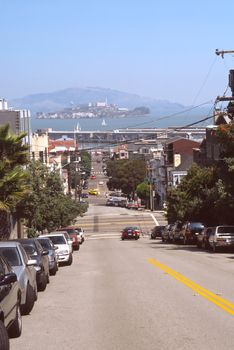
[{"x": 155, "y": 220}]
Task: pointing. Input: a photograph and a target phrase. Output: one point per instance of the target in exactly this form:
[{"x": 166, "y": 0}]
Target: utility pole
[{"x": 230, "y": 99}]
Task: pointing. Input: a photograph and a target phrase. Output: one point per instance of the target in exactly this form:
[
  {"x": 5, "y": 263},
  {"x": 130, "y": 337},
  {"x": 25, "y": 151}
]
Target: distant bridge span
[{"x": 125, "y": 135}]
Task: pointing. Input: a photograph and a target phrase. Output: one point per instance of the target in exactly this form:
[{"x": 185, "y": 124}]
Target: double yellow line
[{"x": 215, "y": 299}]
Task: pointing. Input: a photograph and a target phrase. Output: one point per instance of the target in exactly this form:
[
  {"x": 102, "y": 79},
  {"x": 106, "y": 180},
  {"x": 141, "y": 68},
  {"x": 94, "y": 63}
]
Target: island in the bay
[{"x": 94, "y": 110}]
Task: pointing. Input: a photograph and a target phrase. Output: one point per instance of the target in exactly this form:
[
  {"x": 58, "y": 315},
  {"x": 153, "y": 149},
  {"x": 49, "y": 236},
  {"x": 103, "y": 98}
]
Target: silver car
[
  {"x": 15, "y": 254},
  {"x": 220, "y": 237}
]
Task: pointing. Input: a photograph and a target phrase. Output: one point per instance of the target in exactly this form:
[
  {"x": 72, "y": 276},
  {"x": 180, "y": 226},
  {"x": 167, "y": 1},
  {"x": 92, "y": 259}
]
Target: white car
[
  {"x": 63, "y": 252},
  {"x": 81, "y": 234}
]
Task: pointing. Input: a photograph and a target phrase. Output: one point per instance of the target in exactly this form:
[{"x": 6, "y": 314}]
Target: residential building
[
  {"x": 18, "y": 119},
  {"x": 170, "y": 165},
  {"x": 39, "y": 147}
]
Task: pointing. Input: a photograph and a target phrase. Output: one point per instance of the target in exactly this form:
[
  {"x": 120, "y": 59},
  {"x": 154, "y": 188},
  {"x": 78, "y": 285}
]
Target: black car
[
  {"x": 35, "y": 251},
  {"x": 10, "y": 297},
  {"x": 157, "y": 232},
  {"x": 47, "y": 244}
]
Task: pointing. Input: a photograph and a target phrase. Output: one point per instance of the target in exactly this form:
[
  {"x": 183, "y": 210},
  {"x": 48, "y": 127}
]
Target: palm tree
[{"x": 13, "y": 177}]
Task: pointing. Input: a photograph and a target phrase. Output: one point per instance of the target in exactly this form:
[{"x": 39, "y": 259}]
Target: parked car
[
  {"x": 4, "y": 338},
  {"x": 68, "y": 238},
  {"x": 190, "y": 231},
  {"x": 203, "y": 238},
  {"x": 132, "y": 205},
  {"x": 220, "y": 237},
  {"x": 78, "y": 231},
  {"x": 93, "y": 177},
  {"x": 16, "y": 256},
  {"x": 10, "y": 299},
  {"x": 84, "y": 195},
  {"x": 35, "y": 251},
  {"x": 81, "y": 233},
  {"x": 73, "y": 236},
  {"x": 130, "y": 232},
  {"x": 167, "y": 233},
  {"x": 176, "y": 234},
  {"x": 157, "y": 232},
  {"x": 47, "y": 244},
  {"x": 63, "y": 251}
]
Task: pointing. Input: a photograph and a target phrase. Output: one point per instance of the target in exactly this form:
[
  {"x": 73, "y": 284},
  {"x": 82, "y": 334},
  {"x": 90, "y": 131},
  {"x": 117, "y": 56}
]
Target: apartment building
[{"x": 18, "y": 119}]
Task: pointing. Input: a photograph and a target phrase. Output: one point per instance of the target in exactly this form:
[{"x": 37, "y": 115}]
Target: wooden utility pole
[{"x": 230, "y": 99}]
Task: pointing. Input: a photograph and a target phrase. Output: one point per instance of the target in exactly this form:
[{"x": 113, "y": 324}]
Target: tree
[
  {"x": 125, "y": 174},
  {"x": 207, "y": 193},
  {"x": 46, "y": 206},
  {"x": 143, "y": 191},
  {"x": 13, "y": 178}
]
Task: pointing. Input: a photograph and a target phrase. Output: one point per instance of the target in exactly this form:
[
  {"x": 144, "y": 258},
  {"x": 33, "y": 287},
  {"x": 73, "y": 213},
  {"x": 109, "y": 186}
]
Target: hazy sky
[{"x": 162, "y": 49}]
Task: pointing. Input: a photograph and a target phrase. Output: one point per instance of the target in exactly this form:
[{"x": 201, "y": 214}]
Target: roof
[{"x": 9, "y": 244}]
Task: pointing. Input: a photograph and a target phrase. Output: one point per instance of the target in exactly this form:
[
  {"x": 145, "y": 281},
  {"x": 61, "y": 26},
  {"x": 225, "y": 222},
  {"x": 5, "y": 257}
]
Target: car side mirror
[
  {"x": 31, "y": 262},
  {"x": 45, "y": 252},
  {"x": 8, "y": 278},
  {"x": 55, "y": 247}
]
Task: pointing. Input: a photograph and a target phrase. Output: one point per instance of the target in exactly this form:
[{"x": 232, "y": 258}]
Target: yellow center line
[{"x": 215, "y": 299}]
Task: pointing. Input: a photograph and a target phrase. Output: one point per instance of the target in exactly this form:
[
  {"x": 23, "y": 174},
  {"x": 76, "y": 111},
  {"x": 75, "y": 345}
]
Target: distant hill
[{"x": 58, "y": 100}]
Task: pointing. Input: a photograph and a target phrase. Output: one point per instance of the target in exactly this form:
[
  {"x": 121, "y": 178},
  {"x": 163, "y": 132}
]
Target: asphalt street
[{"x": 122, "y": 295}]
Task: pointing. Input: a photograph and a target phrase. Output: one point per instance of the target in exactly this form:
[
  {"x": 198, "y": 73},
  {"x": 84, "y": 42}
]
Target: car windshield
[
  {"x": 11, "y": 254},
  {"x": 196, "y": 226},
  {"x": 58, "y": 239},
  {"x": 226, "y": 229},
  {"x": 44, "y": 243}
]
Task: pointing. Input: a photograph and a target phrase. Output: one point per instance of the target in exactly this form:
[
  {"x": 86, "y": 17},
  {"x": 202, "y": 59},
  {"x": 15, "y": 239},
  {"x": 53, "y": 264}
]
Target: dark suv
[
  {"x": 190, "y": 232},
  {"x": 157, "y": 232},
  {"x": 10, "y": 297},
  {"x": 35, "y": 251}
]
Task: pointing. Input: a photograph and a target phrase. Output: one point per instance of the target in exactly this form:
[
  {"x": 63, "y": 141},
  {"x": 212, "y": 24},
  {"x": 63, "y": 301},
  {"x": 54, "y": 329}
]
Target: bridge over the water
[{"x": 125, "y": 135}]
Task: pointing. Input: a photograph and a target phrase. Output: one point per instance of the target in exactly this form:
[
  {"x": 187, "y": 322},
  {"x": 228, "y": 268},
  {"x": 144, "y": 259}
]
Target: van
[{"x": 220, "y": 237}]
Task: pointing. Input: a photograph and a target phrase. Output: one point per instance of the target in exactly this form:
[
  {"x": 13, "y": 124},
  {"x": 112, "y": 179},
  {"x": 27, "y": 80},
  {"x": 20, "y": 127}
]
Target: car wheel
[
  {"x": 30, "y": 300},
  {"x": 42, "y": 285},
  {"x": 70, "y": 260},
  {"x": 16, "y": 327},
  {"x": 53, "y": 270},
  {"x": 4, "y": 339}
]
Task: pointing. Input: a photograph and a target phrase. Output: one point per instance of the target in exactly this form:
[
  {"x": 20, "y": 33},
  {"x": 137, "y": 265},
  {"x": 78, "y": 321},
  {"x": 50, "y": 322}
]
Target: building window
[{"x": 41, "y": 156}]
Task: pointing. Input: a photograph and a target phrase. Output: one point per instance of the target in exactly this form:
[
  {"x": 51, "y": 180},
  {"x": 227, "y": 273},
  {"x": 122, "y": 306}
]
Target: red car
[
  {"x": 73, "y": 236},
  {"x": 92, "y": 177},
  {"x": 131, "y": 232}
]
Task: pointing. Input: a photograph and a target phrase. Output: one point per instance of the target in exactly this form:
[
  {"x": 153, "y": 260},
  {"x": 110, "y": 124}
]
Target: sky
[{"x": 163, "y": 49}]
